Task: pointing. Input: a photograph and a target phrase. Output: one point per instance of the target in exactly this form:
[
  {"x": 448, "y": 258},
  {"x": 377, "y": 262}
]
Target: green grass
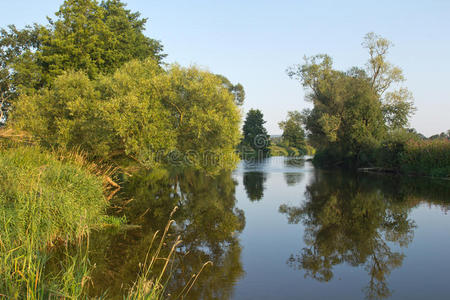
[{"x": 46, "y": 200}]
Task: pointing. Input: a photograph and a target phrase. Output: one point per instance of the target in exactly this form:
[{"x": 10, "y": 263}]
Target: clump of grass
[{"x": 44, "y": 201}]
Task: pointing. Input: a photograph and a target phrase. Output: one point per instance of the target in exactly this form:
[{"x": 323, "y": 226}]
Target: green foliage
[
  {"x": 276, "y": 150},
  {"x": 141, "y": 111},
  {"x": 14, "y": 44},
  {"x": 236, "y": 89},
  {"x": 88, "y": 36},
  {"x": 255, "y": 134},
  {"x": 354, "y": 110},
  {"x": 397, "y": 108},
  {"x": 44, "y": 201},
  {"x": 293, "y": 132},
  {"x": 347, "y": 114},
  {"x": 95, "y": 38},
  {"x": 205, "y": 116}
]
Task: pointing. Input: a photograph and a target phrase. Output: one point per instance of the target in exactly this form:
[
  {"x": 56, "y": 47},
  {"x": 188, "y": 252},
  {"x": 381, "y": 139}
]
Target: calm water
[{"x": 282, "y": 230}]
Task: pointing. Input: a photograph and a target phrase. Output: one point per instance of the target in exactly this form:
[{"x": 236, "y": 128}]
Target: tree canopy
[
  {"x": 353, "y": 110},
  {"x": 293, "y": 132},
  {"x": 156, "y": 116}
]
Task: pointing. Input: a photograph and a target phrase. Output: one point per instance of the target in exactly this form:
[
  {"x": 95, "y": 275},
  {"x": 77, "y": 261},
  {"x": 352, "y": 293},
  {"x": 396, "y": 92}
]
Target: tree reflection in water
[
  {"x": 254, "y": 185},
  {"x": 350, "y": 220},
  {"x": 206, "y": 219},
  {"x": 293, "y": 178}
]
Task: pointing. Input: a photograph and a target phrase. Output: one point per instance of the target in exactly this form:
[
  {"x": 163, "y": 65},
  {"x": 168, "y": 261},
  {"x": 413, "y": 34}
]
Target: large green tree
[
  {"x": 353, "y": 110},
  {"x": 255, "y": 134},
  {"x": 346, "y": 116},
  {"x": 96, "y": 38}
]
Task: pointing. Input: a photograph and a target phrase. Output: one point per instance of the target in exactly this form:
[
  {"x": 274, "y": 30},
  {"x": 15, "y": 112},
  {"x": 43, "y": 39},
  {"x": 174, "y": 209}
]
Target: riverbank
[
  {"x": 48, "y": 201},
  {"x": 51, "y": 202},
  {"x": 415, "y": 157}
]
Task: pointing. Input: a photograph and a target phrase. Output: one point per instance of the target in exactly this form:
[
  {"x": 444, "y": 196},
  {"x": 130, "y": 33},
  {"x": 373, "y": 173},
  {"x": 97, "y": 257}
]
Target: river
[{"x": 281, "y": 229}]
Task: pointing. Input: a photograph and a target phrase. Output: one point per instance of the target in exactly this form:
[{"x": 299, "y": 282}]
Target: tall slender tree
[{"x": 255, "y": 134}]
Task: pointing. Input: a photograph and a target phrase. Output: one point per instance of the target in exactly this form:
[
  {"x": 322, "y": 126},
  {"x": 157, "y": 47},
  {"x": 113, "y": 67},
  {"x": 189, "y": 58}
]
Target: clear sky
[{"x": 253, "y": 42}]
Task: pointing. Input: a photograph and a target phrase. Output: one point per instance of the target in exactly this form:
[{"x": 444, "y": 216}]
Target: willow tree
[{"x": 178, "y": 116}]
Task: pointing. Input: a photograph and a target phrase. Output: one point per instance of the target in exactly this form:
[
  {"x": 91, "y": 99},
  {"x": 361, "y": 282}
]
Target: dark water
[{"x": 282, "y": 230}]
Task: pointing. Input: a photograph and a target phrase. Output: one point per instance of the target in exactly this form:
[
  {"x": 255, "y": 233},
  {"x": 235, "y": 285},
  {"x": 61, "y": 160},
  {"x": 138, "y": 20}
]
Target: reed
[{"x": 149, "y": 286}]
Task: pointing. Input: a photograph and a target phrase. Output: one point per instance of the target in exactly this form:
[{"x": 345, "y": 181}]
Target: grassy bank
[
  {"x": 46, "y": 201},
  {"x": 49, "y": 204}
]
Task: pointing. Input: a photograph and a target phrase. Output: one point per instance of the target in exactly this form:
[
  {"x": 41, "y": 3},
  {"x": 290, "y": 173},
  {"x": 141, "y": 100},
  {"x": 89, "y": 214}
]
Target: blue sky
[{"x": 253, "y": 42}]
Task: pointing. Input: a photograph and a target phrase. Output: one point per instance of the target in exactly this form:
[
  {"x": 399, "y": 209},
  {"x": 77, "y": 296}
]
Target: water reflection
[
  {"x": 207, "y": 220},
  {"x": 349, "y": 221},
  {"x": 254, "y": 185},
  {"x": 361, "y": 221},
  {"x": 293, "y": 178}
]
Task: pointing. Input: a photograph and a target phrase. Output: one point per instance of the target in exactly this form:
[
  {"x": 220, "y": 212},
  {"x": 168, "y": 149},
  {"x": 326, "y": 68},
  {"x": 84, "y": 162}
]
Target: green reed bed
[{"x": 428, "y": 157}]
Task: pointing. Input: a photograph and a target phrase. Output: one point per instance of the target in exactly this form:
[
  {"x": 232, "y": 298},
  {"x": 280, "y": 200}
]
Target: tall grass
[
  {"x": 427, "y": 157},
  {"x": 44, "y": 201}
]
